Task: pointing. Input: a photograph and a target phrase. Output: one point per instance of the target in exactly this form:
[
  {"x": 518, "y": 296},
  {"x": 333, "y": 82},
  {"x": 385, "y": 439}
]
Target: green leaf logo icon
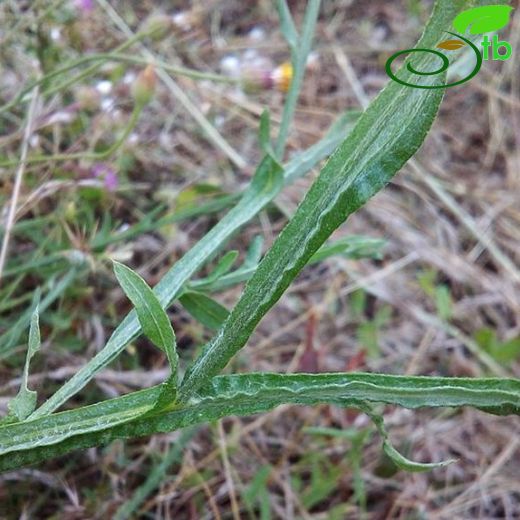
[{"x": 483, "y": 19}]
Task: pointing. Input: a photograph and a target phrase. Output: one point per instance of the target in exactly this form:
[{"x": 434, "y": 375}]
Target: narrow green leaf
[
  {"x": 287, "y": 24},
  {"x": 397, "y": 458},
  {"x": 409, "y": 465},
  {"x": 24, "y": 403},
  {"x": 243, "y": 273},
  {"x": 265, "y": 133},
  {"x": 388, "y": 133},
  {"x": 204, "y": 309},
  {"x": 224, "y": 265},
  {"x": 34, "y": 332},
  {"x": 254, "y": 253},
  {"x": 354, "y": 246},
  {"x": 153, "y": 319}
]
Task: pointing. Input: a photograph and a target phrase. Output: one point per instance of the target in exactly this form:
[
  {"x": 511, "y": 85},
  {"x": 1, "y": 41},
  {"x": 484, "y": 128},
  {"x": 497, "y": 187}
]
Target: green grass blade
[
  {"x": 287, "y": 23},
  {"x": 56, "y": 289},
  {"x": 300, "y": 47},
  {"x": 246, "y": 394},
  {"x": 253, "y": 200},
  {"x": 388, "y": 133}
]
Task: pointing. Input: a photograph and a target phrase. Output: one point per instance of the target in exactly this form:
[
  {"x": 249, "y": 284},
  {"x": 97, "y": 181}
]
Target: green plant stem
[
  {"x": 113, "y": 56},
  {"x": 94, "y": 156},
  {"x": 299, "y": 55},
  {"x": 243, "y": 394},
  {"x": 84, "y": 74}
]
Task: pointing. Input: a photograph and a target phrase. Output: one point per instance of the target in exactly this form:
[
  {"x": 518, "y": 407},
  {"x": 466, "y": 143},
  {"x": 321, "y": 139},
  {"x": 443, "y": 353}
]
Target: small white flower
[
  {"x": 129, "y": 77},
  {"x": 55, "y": 33},
  {"x": 230, "y": 65},
  {"x": 107, "y": 104},
  {"x": 256, "y": 34},
  {"x": 182, "y": 20},
  {"x": 104, "y": 87}
]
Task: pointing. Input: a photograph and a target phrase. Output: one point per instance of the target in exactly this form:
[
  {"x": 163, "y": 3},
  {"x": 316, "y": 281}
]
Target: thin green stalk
[
  {"x": 84, "y": 74},
  {"x": 299, "y": 55},
  {"x": 94, "y": 156},
  {"x": 113, "y": 56}
]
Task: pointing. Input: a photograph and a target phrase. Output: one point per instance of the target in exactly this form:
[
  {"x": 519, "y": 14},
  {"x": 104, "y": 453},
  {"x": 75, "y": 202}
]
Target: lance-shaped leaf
[
  {"x": 24, "y": 403},
  {"x": 153, "y": 319},
  {"x": 223, "y": 266}
]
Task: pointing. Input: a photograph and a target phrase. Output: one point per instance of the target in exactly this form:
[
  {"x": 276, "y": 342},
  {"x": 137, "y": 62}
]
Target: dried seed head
[
  {"x": 254, "y": 79},
  {"x": 143, "y": 87}
]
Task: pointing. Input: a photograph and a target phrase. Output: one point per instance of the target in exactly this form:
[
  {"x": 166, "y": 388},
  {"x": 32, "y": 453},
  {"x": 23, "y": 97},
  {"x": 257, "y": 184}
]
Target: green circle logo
[{"x": 446, "y": 45}]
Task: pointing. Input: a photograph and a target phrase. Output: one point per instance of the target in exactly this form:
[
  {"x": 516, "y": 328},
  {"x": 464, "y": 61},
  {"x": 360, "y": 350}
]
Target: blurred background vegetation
[{"x": 432, "y": 284}]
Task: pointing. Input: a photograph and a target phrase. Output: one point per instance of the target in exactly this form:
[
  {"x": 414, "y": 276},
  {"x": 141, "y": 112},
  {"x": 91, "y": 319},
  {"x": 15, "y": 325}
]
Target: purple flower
[
  {"x": 107, "y": 174},
  {"x": 85, "y": 6}
]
